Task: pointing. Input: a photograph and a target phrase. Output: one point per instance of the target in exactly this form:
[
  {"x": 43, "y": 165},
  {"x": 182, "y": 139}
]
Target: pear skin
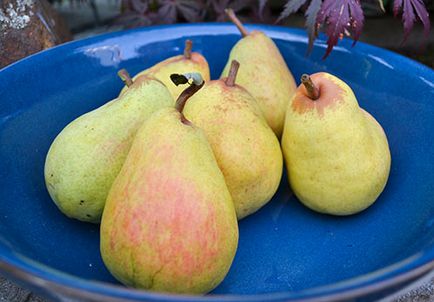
[
  {"x": 189, "y": 62},
  {"x": 169, "y": 224},
  {"x": 336, "y": 154},
  {"x": 87, "y": 155},
  {"x": 247, "y": 151},
  {"x": 263, "y": 73}
]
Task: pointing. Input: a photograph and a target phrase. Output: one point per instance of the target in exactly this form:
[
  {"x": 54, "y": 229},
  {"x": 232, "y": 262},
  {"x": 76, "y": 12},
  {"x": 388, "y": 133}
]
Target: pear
[
  {"x": 169, "y": 224},
  {"x": 337, "y": 155},
  {"x": 247, "y": 151},
  {"x": 87, "y": 155},
  {"x": 263, "y": 73},
  {"x": 189, "y": 62}
]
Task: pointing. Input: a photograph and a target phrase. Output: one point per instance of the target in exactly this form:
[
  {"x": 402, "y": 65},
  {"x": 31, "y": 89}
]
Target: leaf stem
[
  {"x": 312, "y": 90},
  {"x": 231, "y": 14},
  {"x": 230, "y": 80},
  {"x": 187, "y": 49},
  {"x": 125, "y": 77},
  {"x": 185, "y": 78},
  {"x": 184, "y": 96}
]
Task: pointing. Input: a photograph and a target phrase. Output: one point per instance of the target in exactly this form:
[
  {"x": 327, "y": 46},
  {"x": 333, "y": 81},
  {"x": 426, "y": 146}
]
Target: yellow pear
[
  {"x": 88, "y": 154},
  {"x": 263, "y": 73},
  {"x": 247, "y": 151},
  {"x": 337, "y": 155},
  {"x": 189, "y": 62},
  {"x": 169, "y": 224}
]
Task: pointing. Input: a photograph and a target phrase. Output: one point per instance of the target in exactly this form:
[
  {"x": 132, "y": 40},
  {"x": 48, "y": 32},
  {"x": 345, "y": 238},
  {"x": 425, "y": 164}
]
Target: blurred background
[{"x": 38, "y": 24}]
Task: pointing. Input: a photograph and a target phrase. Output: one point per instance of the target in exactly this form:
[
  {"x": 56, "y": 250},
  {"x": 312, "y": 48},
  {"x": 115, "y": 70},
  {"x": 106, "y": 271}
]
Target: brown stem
[
  {"x": 125, "y": 77},
  {"x": 183, "y": 97},
  {"x": 231, "y": 14},
  {"x": 312, "y": 90},
  {"x": 187, "y": 49},
  {"x": 230, "y": 80}
]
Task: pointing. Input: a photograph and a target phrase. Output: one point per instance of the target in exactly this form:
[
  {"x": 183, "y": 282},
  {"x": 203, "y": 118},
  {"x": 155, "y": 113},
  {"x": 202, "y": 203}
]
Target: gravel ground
[{"x": 11, "y": 293}]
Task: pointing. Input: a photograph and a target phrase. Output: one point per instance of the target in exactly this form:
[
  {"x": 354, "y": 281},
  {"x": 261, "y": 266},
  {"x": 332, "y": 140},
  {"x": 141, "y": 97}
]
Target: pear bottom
[{"x": 326, "y": 195}]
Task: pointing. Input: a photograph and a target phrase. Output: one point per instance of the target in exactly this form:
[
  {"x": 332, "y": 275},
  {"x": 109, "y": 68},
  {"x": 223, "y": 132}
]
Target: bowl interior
[{"x": 284, "y": 246}]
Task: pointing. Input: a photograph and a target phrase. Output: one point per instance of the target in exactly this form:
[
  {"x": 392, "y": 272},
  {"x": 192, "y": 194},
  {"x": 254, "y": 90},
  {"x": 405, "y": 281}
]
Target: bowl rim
[
  {"x": 33, "y": 273},
  {"x": 74, "y": 287},
  {"x": 274, "y": 31}
]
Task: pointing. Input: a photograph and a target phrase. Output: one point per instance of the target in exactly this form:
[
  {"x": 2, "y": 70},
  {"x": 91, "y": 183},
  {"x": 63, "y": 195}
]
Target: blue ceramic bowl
[{"x": 286, "y": 251}]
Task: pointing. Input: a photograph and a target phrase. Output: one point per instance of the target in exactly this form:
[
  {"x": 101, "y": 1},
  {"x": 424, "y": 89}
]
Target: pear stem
[
  {"x": 184, "y": 96},
  {"x": 231, "y": 14},
  {"x": 125, "y": 77},
  {"x": 312, "y": 90},
  {"x": 230, "y": 80},
  {"x": 187, "y": 49}
]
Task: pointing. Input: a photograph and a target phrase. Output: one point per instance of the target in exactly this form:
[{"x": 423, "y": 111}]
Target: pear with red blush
[
  {"x": 169, "y": 224},
  {"x": 336, "y": 154}
]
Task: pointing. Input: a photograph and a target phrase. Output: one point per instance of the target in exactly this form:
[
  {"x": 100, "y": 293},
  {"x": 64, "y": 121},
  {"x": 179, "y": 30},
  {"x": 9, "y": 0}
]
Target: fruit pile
[{"x": 168, "y": 179}]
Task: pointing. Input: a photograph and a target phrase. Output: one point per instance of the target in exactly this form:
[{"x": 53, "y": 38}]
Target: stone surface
[
  {"x": 425, "y": 293},
  {"x": 11, "y": 293},
  {"x": 30, "y": 24}
]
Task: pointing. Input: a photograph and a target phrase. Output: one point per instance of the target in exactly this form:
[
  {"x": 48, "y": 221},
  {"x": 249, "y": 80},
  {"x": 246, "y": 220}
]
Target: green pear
[
  {"x": 247, "y": 151},
  {"x": 336, "y": 154},
  {"x": 169, "y": 224},
  {"x": 263, "y": 73},
  {"x": 192, "y": 62},
  {"x": 87, "y": 155}
]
